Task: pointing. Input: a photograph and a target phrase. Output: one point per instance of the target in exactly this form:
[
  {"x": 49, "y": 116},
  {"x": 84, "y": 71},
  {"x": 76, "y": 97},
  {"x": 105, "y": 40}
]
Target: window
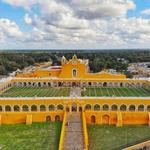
[{"x": 74, "y": 72}]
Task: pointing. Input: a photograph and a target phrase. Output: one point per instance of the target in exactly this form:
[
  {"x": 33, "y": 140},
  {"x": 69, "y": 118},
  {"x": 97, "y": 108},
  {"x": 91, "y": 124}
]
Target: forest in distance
[{"x": 98, "y": 60}]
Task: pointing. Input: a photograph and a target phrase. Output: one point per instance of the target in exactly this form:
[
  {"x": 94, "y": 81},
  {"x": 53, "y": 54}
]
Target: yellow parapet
[
  {"x": 0, "y": 119},
  {"x": 61, "y": 142},
  {"x": 85, "y": 133},
  {"x": 138, "y": 146},
  {"x": 29, "y": 119}
]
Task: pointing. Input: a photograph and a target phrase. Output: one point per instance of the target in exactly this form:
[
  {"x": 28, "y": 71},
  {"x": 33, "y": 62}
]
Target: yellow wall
[
  {"x": 111, "y": 117},
  {"x": 20, "y": 117},
  {"x": 40, "y": 73}
]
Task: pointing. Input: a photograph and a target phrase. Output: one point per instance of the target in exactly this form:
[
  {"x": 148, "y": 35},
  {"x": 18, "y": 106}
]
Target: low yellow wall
[
  {"x": 111, "y": 117},
  {"x": 85, "y": 133},
  {"x": 20, "y": 117},
  {"x": 61, "y": 142},
  {"x": 140, "y": 145}
]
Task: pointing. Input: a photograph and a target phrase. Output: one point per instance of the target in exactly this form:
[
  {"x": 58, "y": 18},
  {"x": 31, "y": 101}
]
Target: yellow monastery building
[{"x": 101, "y": 98}]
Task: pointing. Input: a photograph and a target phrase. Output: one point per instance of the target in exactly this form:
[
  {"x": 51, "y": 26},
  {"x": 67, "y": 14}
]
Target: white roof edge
[{"x": 72, "y": 98}]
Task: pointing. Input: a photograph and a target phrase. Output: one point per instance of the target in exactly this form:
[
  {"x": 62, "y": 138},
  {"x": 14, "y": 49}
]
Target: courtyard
[
  {"x": 116, "y": 91},
  {"x": 38, "y": 136},
  {"x": 116, "y": 138},
  {"x": 77, "y": 91},
  {"x": 36, "y": 91}
]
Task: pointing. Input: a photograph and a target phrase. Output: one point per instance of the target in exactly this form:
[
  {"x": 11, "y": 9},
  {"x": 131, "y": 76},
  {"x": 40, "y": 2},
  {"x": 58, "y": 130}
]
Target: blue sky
[{"x": 74, "y": 24}]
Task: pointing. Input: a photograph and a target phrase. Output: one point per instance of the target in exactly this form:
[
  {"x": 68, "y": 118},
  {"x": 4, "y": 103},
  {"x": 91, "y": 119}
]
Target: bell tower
[{"x": 63, "y": 60}]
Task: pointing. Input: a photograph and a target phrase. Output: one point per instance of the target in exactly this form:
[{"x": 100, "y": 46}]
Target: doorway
[
  {"x": 48, "y": 118},
  {"x": 105, "y": 120},
  {"x": 74, "y": 107},
  {"x": 93, "y": 119}
]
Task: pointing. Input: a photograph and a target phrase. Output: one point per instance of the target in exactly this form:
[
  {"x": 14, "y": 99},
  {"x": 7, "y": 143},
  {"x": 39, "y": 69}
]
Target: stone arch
[
  {"x": 51, "y": 107},
  {"x": 148, "y": 107},
  {"x": 132, "y": 108},
  {"x": 20, "y": 83},
  {"x": 105, "y": 107},
  {"x": 89, "y": 83},
  {"x": 42, "y": 108},
  {"x": 93, "y": 119},
  {"x": 39, "y": 84},
  {"x": 25, "y": 108},
  {"x": 24, "y": 83},
  {"x": 114, "y": 107},
  {"x": 59, "y": 83},
  {"x": 96, "y": 107},
  {"x": 33, "y": 108},
  {"x": 49, "y": 84},
  {"x": 1, "y": 108},
  {"x": 57, "y": 118},
  {"x": 141, "y": 108},
  {"x": 33, "y": 84},
  {"x": 48, "y": 118},
  {"x": 60, "y": 107},
  {"x": 121, "y": 84},
  {"x": 16, "y": 108},
  {"x": 123, "y": 107},
  {"x": 88, "y": 107},
  {"x": 29, "y": 83},
  {"x": 105, "y": 119},
  {"x": 105, "y": 84},
  {"x": 7, "y": 108}
]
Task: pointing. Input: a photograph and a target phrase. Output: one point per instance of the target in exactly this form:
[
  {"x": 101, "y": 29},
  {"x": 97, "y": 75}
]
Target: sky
[{"x": 74, "y": 24}]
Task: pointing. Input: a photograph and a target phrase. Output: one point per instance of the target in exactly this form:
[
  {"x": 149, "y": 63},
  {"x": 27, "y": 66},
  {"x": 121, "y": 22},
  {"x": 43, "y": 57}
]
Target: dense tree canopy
[{"x": 98, "y": 60}]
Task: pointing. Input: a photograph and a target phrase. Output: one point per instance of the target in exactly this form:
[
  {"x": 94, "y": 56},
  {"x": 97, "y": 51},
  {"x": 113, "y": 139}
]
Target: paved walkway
[
  {"x": 73, "y": 133},
  {"x": 75, "y": 92}
]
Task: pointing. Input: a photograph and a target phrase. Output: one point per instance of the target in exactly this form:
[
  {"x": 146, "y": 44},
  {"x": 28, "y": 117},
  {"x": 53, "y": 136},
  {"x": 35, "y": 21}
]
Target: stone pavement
[
  {"x": 73, "y": 133},
  {"x": 75, "y": 91}
]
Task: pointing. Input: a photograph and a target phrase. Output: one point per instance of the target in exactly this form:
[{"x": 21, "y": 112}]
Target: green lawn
[
  {"x": 38, "y": 136},
  {"x": 36, "y": 91},
  {"x": 116, "y": 138},
  {"x": 122, "y": 91}
]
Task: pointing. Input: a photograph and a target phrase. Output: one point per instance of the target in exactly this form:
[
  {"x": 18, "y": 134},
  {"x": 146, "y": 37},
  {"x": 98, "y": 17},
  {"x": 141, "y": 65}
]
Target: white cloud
[
  {"x": 79, "y": 23},
  {"x": 27, "y": 19},
  {"x": 146, "y": 12},
  {"x": 9, "y": 29},
  {"x": 92, "y": 9},
  {"x": 27, "y": 4}
]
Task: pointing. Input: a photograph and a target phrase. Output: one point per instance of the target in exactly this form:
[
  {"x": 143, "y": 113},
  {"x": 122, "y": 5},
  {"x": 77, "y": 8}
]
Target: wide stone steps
[{"x": 73, "y": 133}]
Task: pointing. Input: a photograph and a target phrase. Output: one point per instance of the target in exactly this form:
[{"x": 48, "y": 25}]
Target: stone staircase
[{"x": 73, "y": 133}]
